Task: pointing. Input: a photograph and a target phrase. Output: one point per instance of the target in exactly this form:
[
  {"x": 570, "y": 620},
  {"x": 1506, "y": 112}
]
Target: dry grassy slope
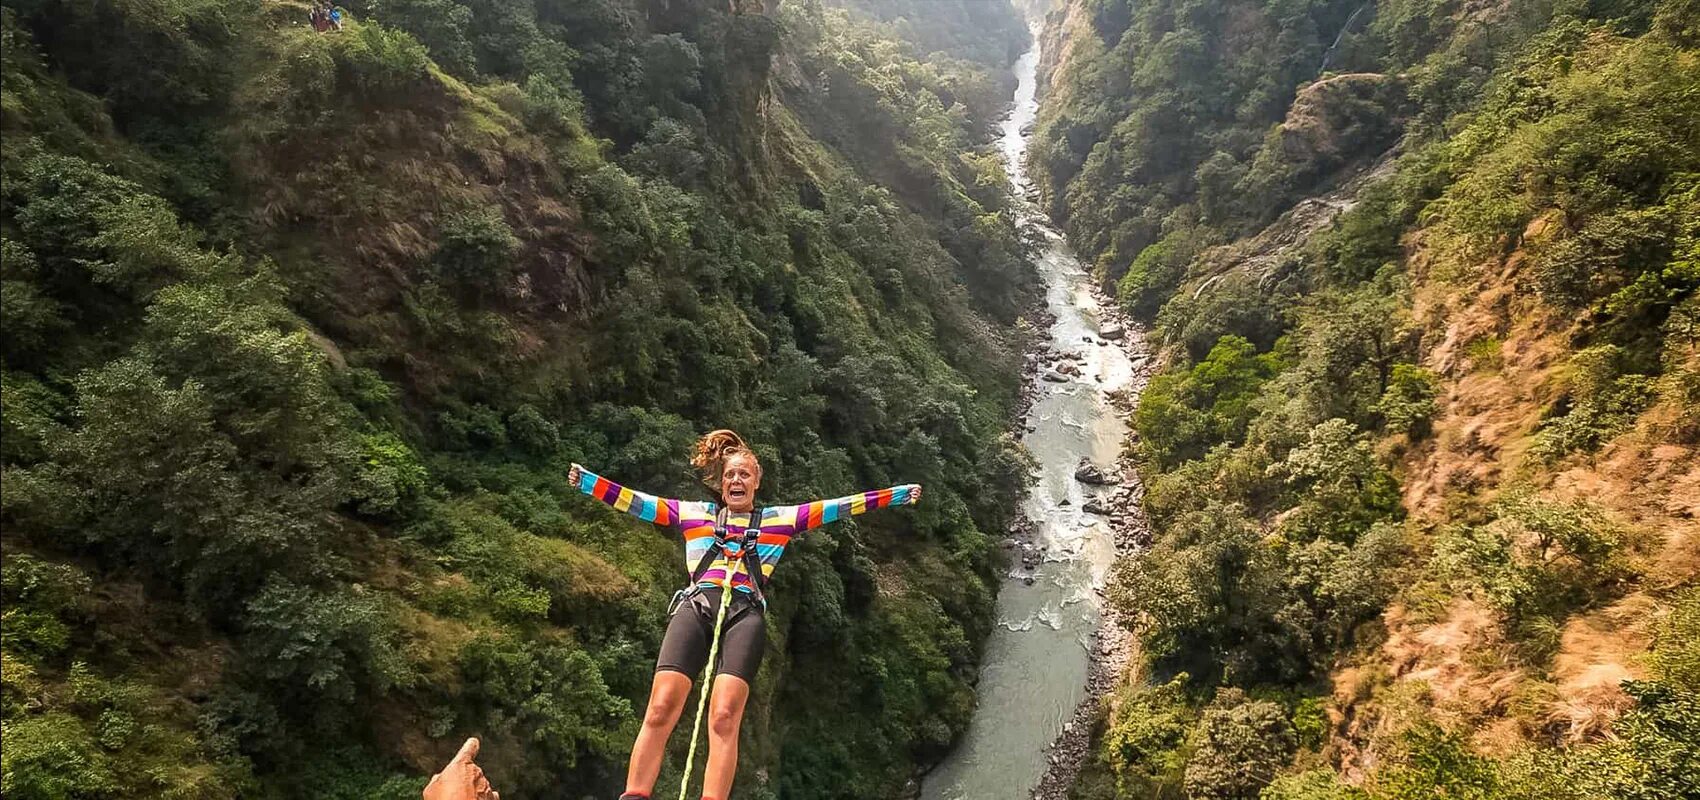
[
  {"x": 1491, "y": 400},
  {"x": 1457, "y": 661}
]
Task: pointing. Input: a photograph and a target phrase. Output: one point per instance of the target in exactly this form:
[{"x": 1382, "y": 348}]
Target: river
[{"x": 1038, "y": 658}]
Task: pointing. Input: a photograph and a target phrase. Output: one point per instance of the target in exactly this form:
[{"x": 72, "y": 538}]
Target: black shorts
[{"x": 743, "y": 636}]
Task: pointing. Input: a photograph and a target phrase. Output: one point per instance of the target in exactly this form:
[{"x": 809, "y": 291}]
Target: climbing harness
[
  {"x": 751, "y": 561},
  {"x": 745, "y": 560}
]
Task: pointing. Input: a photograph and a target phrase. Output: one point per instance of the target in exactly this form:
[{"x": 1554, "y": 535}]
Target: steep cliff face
[
  {"x": 303, "y": 330},
  {"x": 1431, "y": 356},
  {"x": 1063, "y": 27}
]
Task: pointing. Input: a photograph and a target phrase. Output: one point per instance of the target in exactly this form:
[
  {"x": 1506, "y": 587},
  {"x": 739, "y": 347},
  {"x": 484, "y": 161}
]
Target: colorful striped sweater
[{"x": 695, "y": 521}]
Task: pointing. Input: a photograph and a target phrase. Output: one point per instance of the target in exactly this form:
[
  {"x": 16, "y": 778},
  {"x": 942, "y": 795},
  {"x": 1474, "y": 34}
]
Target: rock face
[{"x": 1089, "y": 473}]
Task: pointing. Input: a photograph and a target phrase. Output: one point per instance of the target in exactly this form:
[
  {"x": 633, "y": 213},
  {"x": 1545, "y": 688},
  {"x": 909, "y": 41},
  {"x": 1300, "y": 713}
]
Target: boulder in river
[
  {"x": 1095, "y": 506},
  {"x": 1112, "y": 331},
  {"x": 1089, "y": 472},
  {"x": 1055, "y": 377}
]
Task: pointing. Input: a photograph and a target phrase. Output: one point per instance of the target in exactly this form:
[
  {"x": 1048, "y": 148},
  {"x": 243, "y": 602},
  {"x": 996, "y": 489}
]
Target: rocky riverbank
[{"x": 1122, "y": 504}]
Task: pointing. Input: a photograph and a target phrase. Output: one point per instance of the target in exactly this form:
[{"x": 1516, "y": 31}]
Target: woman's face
[{"x": 739, "y": 480}]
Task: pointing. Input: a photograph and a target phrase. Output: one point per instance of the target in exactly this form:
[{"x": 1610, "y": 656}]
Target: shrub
[
  {"x": 1342, "y": 487},
  {"x": 550, "y": 697},
  {"x": 440, "y": 25},
  {"x": 532, "y": 432},
  {"x": 1601, "y": 401},
  {"x": 1429, "y": 761},
  {"x": 323, "y": 648},
  {"x": 32, "y": 317},
  {"x": 1310, "y": 721},
  {"x": 1486, "y": 354},
  {"x": 53, "y": 757},
  {"x": 383, "y": 62},
  {"x": 1680, "y": 386},
  {"x": 149, "y": 480},
  {"x": 1225, "y": 475},
  {"x": 1536, "y": 557},
  {"x": 1676, "y": 648},
  {"x": 1143, "y": 743},
  {"x": 671, "y": 152},
  {"x": 1679, "y": 21},
  {"x": 475, "y": 252},
  {"x": 472, "y": 427},
  {"x": 1238, "y": 747},
  {"x": 1359, "y": 581},
  {"x": 1209, "y": 598},
  {"x": 1602, "y": 257},
  {"x": 1366, "y": 238},
  {"x": 1181, "y": 415},
  {"x": 1316, "y": 784},
  {"x": 1236, "y": 304},
  {"x": 1157, "y": 271},
  {"x": 390, "y": 478},
  {"x": 39, "y": 597},
  {"x": 1408, "y": 404}
]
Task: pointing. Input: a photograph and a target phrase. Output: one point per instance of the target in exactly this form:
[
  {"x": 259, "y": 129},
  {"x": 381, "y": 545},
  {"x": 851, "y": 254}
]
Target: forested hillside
[
  {"x": 1421, "y": 458},
  {"x": 302, "y": 331}
]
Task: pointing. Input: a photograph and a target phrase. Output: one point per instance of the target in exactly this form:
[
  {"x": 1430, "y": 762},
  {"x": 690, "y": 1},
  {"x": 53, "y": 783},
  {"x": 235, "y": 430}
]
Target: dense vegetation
[
  {"x": 302, "y": 330},
  {"x": 1537, "y": 183}
]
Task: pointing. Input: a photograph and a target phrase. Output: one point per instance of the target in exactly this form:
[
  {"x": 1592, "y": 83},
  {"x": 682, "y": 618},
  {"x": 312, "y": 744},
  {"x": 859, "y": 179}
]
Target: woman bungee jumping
[{"x": 718, "y": 624}]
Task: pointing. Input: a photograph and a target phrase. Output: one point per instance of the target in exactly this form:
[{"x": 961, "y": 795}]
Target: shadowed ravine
[{"x": 1038, "y": 660}]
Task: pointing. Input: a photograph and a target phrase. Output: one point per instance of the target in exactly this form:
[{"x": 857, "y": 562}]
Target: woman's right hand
[{"x": 574, "y": 474}]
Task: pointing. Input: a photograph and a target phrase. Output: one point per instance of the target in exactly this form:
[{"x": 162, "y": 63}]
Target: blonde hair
[{"x": 714, "y": 448}]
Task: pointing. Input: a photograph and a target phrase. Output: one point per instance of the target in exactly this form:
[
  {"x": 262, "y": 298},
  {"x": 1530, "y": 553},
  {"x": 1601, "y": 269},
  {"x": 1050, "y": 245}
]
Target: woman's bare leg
[
  {"x": 725, "y": 715},
  {"x": 666, "y": 699}
]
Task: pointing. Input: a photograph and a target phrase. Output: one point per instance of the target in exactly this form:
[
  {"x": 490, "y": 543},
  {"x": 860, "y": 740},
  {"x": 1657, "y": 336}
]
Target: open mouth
[{"x": 735, "y": 494}]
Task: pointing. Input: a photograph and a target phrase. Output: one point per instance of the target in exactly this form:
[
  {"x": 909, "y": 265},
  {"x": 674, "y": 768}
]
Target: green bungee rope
[{"x": 708, "y": 671}]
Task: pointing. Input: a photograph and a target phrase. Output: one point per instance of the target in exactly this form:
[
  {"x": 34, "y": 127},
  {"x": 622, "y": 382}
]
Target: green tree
[{"x": 1237, "y": 748}]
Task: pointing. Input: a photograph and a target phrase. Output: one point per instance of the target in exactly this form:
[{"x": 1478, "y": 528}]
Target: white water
[{"x": 1036, "y": 661}]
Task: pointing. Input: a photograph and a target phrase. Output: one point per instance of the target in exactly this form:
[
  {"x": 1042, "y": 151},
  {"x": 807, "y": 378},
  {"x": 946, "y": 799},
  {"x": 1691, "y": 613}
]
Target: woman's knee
[
  {"x": 723, "y": 721},
  {"x": 665, "y": 705}
]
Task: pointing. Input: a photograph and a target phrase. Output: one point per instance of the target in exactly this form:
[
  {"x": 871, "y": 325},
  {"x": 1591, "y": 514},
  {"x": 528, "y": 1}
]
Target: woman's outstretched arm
[
  {"x": 647, "y": 507},
  {"x": 809, "y": 516}
]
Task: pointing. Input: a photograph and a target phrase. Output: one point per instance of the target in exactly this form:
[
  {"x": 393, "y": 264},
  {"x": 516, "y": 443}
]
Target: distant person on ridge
[{"x": 719, "y": 542}]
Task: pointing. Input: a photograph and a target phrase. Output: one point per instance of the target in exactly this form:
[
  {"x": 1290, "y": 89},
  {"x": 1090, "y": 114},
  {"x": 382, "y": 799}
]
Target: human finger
[{"x": 468, "y": 752}]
